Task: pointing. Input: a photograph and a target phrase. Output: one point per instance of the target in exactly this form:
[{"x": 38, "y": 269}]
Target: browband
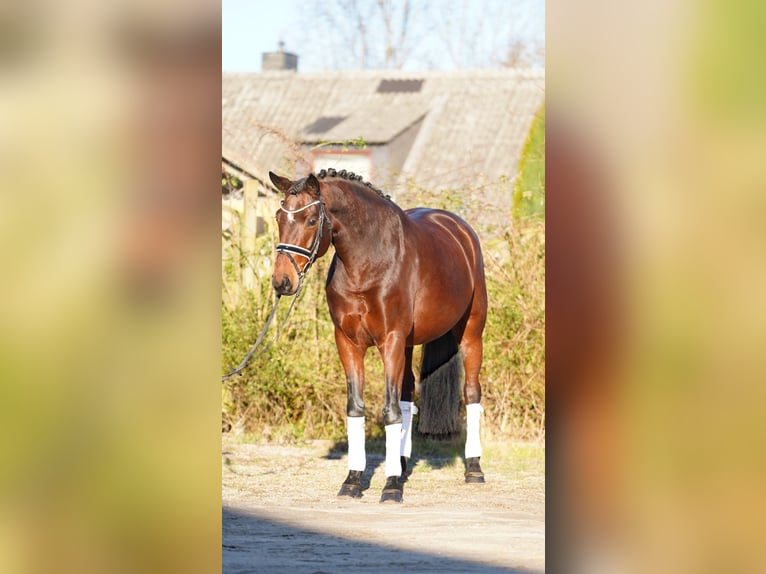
[{"x": 283, "y": 208}]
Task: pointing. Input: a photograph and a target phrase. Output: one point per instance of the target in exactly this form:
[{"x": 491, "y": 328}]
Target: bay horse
[{"x": 397, "y": 279}]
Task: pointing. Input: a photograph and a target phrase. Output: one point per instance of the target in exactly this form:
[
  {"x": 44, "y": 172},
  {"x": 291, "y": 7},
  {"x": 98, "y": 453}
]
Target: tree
[
  {"x": 490, "y": 33},
  {"x": 424, "y": 34},
  {"x": 350, "y": 35}
]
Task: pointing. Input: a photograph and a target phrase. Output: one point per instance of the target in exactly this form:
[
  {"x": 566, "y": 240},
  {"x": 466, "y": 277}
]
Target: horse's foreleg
[
  {"x": 393, "y": 352},
  {"x": 352, "y": 358}
]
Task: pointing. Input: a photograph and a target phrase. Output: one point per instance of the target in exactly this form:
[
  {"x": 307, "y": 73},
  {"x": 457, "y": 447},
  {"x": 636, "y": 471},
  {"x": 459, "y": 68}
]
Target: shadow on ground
[{"x": 254, "y": 544}]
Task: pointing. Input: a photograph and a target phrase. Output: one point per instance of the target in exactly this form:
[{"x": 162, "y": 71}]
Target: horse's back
[{"x": 450, "y": 233}]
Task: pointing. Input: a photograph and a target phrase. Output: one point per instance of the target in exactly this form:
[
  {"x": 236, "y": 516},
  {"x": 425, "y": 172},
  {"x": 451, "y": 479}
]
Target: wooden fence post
[{"x": 249, "y": 232}]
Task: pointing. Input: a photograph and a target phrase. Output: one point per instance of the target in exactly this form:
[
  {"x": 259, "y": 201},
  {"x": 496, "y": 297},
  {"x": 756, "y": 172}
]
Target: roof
[
  {"x": 377, "y": 121},
  {"x": 474, "y": 122}
]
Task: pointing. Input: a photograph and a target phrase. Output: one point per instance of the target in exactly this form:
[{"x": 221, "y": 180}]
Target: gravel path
[{"x": 280, "y": 512}]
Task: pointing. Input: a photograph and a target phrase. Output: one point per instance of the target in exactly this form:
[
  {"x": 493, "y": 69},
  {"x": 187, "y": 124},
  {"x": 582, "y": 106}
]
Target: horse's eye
[{"x": 311, "y": 222}]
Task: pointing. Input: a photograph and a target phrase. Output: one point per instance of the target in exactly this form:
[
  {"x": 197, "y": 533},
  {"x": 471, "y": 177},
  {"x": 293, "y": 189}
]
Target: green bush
[
  {"x": 294, "y": 387},
  {"x": 529, "y": 185}
]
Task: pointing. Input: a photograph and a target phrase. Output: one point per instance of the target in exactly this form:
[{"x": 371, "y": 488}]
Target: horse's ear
[
  {"x": 312, "y": 185},
  {"x": 281, "y": 183}
]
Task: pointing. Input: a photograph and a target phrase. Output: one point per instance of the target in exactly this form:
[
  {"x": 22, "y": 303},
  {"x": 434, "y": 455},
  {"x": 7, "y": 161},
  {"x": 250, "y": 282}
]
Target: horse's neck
[{"x": 364, "y": 231}]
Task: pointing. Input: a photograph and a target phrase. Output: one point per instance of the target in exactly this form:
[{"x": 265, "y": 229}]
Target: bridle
[{"x": 310, "y": 254}]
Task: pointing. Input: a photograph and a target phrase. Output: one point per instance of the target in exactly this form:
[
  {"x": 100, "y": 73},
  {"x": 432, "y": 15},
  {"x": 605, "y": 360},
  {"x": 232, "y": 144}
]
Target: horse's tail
[{"x": 440, "y": 373}]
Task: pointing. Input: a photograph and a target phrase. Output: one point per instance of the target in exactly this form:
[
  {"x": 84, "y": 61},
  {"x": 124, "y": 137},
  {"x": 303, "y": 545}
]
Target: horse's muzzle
[{"x": 283, "y": 286}]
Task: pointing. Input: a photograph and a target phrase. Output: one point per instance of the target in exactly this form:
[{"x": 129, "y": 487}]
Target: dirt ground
[{"x": 281, "y": 513}]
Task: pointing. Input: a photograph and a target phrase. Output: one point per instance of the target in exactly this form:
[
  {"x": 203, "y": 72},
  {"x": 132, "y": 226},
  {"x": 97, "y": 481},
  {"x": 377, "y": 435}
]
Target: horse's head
[{"x": 305, "y": 231}]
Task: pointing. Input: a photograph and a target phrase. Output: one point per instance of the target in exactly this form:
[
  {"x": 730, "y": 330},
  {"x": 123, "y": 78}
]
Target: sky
[{"x": 251, "y": 27}]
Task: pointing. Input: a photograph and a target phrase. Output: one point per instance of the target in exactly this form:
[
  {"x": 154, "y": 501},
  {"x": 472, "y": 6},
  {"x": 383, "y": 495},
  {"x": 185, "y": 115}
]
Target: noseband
[{"x": 310, "y": 254}]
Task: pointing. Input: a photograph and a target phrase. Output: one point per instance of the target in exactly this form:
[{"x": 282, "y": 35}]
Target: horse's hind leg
[
  {"x": 473, "y": 352},
  {"x": 409, "y": 410}
]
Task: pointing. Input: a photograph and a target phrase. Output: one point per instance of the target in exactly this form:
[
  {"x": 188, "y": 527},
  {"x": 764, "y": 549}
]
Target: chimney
[{"x": 280, "y": 60}]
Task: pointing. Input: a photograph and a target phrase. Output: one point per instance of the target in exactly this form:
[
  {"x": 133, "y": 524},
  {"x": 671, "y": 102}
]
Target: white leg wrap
[
  {"x": 472, "y": 424},
  {"x": 393, "y": 440},
  {"x": 408, "y": 411},
  {"x": 357, "y": 459}
]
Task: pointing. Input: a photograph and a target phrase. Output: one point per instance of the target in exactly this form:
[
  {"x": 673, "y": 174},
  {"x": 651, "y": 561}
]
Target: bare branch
[{"x": 393, "y": 33}]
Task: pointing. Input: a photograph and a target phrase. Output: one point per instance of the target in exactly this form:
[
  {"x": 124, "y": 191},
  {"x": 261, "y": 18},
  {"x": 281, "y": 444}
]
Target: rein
[{"x": 289, "y": 249}]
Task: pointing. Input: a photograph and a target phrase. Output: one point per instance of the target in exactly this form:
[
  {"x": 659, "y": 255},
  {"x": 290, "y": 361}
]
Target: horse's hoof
[
  {"x": 352, "y": 486},
  {"x": 392, "y": 492},
  {"x": 404, "y": 475},
  {"x": 473, "y": 472},
  {"x": 352, "y": 490},
  {"x": 474, "y": 478}
]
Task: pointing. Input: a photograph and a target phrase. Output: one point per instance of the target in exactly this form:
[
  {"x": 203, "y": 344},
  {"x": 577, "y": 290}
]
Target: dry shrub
[{"x": 514, "y": 338}]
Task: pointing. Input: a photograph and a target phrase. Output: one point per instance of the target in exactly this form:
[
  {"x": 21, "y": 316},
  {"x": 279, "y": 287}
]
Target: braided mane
[{"x": 351, "y": 176}]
